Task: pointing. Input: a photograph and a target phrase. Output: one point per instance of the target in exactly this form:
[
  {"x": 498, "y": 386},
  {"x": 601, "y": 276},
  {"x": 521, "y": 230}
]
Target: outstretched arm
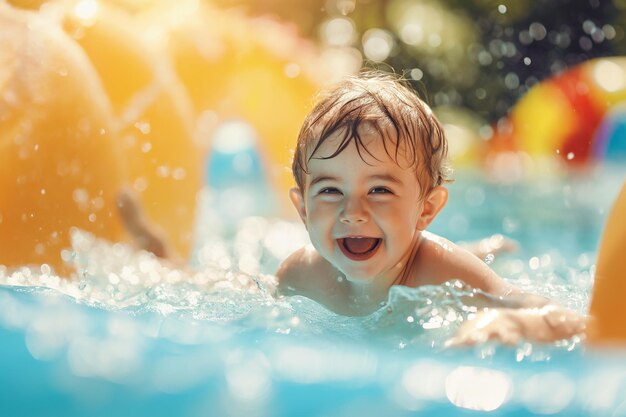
[
  {"x": 145, "y": 234},
  {"x": 504, "y": 312},
  {"x": 511, "y": 326}
]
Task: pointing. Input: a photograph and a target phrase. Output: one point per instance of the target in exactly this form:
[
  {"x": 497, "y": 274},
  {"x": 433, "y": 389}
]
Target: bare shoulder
[
  {"x": 439, "y": 260},
  {"x": 304, "y": 272}
]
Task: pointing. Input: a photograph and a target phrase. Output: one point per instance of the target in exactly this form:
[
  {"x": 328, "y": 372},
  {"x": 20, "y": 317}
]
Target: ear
[
  {"x": 433, "y": 203},
  {"x": 298, "y": 202}
]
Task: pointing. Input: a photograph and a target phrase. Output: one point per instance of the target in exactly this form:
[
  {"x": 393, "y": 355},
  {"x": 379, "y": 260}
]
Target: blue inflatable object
[
  {"x": 610, "y": 142},
  {"x": 235, "y": 173}
]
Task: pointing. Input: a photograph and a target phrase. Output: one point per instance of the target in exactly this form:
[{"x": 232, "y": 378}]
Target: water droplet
[
  {"x": 346, "y": 6},
  {"x": 339, "y": 31},
  {"x": 588, "y": 26},
  {"x": 97, "y": 203},
  {"x": 533, "y": 263},
  {"x": 67, "y": 255},
  {"x": 417, "y": 74},
  {"x": 502, "y": 9},
  {"x": 292, "y": 70},
  {"x": 163, "y": 171},
  {"x": 80, "y": 196},
  {"x": 525, "y": 38},
  {"x": 143, "y": 127},
  {"x": 597, "y": 35},
  {"x": 140, "y": 184},
  {"x": 585, "y": 43},
  {"x": 87, "y": 10},
  {"x": 179, "y": 174},
  {"x": 40, "y": 249},
  {"x": 537, "y": 31},
  {"x": 146, "y": 147},
  {"x": 377, "y": 44},
  {"x": 490, "y": 258},
  {"x": 511, "y": 81},
  {"x": 609, "y": 31}
]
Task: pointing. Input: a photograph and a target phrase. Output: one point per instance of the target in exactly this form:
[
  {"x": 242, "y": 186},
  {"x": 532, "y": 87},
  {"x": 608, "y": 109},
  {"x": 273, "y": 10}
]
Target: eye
[
  {"x": 380, "y": 190},
  {"x": 329, "y": 190}
]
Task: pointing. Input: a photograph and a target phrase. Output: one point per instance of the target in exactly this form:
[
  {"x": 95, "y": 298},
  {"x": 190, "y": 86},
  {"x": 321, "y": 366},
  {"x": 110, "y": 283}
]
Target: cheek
[
  {"x": 402, "y": 220},
  {"x": 320, "y": 220},
  {"x": 320, "y": 212}
]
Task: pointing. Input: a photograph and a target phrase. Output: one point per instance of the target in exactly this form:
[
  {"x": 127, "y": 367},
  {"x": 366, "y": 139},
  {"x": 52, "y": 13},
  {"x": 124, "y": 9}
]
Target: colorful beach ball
[
  {"x": 573, "y": 116},
  {"x": 610, "y": 139}
]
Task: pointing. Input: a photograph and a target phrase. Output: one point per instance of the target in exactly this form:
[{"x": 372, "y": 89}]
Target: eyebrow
[
  {"x": 385, "y": 177},
  {"x": 378, "y": 177},
  {"x": 322, "y": 178}
]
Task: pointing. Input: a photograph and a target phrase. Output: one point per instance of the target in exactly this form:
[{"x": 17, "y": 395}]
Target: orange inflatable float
[
  {"x": 607, "y": 303},
  {"x": 59, "y": 162},
  {"x": 154, "y": 116},
  {"x": 118, "y": 115}
]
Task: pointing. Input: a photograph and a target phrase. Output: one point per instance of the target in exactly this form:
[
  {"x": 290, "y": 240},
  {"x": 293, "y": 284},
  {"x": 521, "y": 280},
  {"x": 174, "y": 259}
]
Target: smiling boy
[{"x": 370, "y": 165}]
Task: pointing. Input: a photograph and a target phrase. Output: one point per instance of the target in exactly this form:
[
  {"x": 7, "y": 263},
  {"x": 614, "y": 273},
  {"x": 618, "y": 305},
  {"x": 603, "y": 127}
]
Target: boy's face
[{"x": 363, "y": 214}]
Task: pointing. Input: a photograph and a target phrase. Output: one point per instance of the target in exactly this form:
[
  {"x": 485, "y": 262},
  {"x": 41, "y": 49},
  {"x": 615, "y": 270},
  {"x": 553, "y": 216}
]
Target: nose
[{"x": 353, "y": 212}]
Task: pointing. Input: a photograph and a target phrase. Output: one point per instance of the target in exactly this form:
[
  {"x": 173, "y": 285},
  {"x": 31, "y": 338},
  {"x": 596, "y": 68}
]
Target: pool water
[{"x": 129, "y": 335}]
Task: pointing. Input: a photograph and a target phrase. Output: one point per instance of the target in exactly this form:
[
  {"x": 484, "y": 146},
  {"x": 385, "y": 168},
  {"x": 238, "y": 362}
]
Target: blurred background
[{"x": 480, "y": 54}]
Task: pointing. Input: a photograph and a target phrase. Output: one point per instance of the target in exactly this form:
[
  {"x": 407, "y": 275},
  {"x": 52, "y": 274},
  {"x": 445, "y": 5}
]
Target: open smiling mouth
[{"x": 359, "y": 248}]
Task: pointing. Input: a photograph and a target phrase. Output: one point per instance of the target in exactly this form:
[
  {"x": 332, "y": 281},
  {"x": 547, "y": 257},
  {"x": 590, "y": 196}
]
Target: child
[{"x": 370, "y": 164}]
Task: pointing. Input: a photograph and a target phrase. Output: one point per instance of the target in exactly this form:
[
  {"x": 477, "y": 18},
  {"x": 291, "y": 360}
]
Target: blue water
[{"x": 131, "y": 336}]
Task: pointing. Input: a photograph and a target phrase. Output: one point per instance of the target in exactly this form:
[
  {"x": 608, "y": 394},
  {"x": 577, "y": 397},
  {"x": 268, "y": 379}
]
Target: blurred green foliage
[{"x": 482, "y": 55}]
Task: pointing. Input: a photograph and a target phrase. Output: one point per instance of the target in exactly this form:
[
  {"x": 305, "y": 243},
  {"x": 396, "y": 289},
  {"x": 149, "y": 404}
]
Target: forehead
[
  {"x": 372, "y": 144},
  {"x": 366, "y": 156}
]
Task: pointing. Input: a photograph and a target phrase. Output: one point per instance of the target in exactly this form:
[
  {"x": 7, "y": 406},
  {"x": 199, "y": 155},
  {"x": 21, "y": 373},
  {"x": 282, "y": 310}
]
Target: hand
[{"x": 512, "y": 326}]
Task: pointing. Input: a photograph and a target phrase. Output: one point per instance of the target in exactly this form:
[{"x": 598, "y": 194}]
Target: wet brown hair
[{"x": 390, "y": 106}]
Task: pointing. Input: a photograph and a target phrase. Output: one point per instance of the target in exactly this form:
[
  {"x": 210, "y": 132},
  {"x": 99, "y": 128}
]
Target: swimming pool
[{"x": 133, "y": 337}]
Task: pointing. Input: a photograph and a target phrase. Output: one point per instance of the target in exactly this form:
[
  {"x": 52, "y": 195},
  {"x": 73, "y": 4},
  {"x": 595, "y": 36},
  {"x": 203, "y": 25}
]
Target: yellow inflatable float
[
  {"x": 609, "y": 292},
  {"x": 59, "y": 162}
]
